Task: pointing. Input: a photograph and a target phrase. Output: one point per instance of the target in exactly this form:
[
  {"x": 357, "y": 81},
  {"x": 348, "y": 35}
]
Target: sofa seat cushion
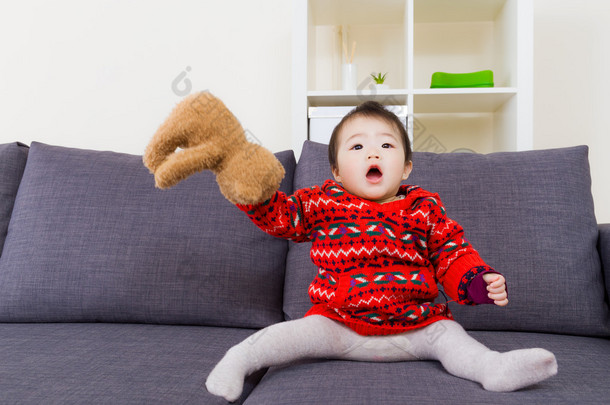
[
  {"x": 91, "y": 239},
  {"x": 529, "y": 214},
  {"x": 112, "y": 363},
  {"x": 12, "y": 162},
  {"x": 583, "y": 363}
]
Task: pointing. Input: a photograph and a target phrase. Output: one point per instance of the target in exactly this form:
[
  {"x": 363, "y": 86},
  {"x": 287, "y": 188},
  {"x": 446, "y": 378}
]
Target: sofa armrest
[{"x": 603, "y": 246}]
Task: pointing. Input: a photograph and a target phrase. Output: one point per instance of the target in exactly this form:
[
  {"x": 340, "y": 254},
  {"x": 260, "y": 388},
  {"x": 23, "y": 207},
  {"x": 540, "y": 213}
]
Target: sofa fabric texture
[
  {"x": 106, "y": 363},
  {"x": 112, "y": 291},
  {"x": 92, "y": 240}
]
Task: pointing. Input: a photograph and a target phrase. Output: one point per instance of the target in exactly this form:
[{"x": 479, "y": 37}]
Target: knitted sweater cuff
[{"x": 460, "y": 273}]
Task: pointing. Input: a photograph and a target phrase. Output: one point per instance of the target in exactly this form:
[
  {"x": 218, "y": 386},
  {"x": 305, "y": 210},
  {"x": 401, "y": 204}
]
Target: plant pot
[
  {"x": 349, "y": 73},
  {"x": 381, "y": 87}
]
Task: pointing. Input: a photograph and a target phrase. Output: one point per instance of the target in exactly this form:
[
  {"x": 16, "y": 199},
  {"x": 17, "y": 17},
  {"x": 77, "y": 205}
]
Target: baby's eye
[
  {"x": 356, "y": 147},
  {"x": 387, "y": 145}
]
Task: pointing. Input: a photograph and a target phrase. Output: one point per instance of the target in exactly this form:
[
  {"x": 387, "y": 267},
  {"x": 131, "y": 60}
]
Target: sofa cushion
[
  {"x": 583, "y": 363},
  {"x": 91, "y": 239},
  {"x": 529, "y": 214},
  {"x": 85, "y": 363},
  {"x": 12, "y": 162}
]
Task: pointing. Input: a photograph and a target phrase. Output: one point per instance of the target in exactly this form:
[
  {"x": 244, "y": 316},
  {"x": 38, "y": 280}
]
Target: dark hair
[{"x": 369, "y": 109}]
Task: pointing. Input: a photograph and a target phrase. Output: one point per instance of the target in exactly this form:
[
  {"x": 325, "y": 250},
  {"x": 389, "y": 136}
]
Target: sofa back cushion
[
  {"x": 529, "y": 214},
  {"x": 91, "y": 239},
  {"x": 12, "y": 162}
]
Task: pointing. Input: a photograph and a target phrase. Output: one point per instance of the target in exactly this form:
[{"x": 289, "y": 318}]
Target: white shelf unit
[{"x": 411, "y": 39}]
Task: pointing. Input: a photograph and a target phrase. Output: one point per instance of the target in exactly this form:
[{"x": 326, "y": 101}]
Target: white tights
[{"x": 319, "y": 337}]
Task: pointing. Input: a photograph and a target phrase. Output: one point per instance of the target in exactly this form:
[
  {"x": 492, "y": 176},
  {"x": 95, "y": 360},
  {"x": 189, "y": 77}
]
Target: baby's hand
[{"x": 496, "y": 285}]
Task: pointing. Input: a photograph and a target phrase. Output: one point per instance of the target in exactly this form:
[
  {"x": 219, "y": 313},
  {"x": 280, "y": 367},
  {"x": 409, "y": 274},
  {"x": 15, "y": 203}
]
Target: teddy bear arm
[{"x": 163, "y": 144}]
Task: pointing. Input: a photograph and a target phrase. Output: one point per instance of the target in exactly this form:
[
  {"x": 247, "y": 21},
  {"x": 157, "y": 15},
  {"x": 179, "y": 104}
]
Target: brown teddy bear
[{"x": 211, "y": 138}]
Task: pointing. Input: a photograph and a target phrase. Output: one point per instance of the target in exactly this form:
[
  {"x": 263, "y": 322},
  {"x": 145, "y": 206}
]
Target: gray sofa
[{"x": 112, "y": 291}]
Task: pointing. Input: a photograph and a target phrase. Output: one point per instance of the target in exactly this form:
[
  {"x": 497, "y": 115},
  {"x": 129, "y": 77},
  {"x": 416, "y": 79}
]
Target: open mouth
[{"x": 374, "y": 174}]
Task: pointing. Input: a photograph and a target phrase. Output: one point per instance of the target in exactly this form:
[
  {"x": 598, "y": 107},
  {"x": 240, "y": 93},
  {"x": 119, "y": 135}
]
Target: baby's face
[{"x": 370, "y": 159}]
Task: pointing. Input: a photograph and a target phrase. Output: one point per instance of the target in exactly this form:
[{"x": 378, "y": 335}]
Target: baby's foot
[
  {"x": 227, "y": 378},
  {"x": 517, "y": 369}
]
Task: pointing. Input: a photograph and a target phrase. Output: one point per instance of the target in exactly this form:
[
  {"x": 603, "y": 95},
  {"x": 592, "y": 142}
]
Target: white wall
[
  {"x": 98, "y": 73},
  {"x": 572, "y": 84}
]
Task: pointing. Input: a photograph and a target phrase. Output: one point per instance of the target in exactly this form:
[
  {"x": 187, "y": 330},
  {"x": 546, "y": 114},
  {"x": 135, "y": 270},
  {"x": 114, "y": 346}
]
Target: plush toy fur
[{"x": 211, "y": 138}]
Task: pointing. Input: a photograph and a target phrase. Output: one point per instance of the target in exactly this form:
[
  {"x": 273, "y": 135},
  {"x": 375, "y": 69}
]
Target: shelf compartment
[
  {"x": 457, "y": 11},
  {"x": 379, "y": 31},
  {"x": 465, "y": 36}
]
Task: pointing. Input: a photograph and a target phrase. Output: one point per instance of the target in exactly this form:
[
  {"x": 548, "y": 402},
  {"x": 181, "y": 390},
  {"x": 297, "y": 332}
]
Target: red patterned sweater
[{"x": 378, "y": 264}]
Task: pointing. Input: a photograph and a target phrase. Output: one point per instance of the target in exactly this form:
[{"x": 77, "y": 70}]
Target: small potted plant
[{"x": 379, "y": 81}]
